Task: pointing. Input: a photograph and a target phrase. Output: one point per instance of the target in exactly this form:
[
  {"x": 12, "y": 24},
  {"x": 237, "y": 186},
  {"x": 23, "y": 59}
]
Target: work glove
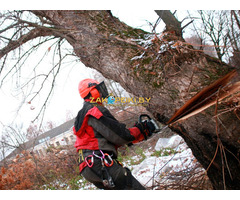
[{"x": 147, "y": 128}]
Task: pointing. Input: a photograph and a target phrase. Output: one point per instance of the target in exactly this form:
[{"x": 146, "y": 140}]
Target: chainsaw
[{"x": 147, "y": 118}]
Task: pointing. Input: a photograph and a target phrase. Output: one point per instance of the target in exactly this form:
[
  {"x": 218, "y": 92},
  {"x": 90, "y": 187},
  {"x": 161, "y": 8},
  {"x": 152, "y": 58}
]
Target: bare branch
[
  {"x": 9, "y": 27},
  {"x": 23, "y": 58},
  {"x": 187, "y": 24},
  {"x": 58, "y": 65},
  {"x": 23, "y": 39}
]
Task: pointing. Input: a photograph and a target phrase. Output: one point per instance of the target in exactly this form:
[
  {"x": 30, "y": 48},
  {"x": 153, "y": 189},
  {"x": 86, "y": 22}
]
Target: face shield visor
[{"x": 101, "y": 87}]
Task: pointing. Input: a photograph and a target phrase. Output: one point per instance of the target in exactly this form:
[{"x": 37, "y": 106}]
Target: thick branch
[{"x": 172, "y": 24}]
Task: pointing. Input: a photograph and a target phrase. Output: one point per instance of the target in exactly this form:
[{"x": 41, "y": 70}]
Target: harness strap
[
  {"x": 80, "y": 155},
  {"x": 105, "y": 177}
]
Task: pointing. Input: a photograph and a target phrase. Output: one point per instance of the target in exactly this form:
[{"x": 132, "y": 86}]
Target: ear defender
[{"x": 95, "y": 94}]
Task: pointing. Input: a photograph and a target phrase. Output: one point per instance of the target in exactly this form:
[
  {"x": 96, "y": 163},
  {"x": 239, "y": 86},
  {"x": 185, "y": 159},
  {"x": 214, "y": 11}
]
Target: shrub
[{"x": 29, "y": 171}]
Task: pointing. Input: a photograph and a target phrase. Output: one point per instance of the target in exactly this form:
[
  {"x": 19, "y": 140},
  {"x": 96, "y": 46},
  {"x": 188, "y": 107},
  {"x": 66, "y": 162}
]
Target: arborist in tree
[{"x": 99, "y": 135}]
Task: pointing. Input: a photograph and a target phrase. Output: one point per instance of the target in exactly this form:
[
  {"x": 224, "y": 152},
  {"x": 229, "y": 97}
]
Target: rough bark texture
[{"x": 169, "y": 77}]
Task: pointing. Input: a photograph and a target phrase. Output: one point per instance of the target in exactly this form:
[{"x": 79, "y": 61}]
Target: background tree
[
  {"x": 14, "y": 136},
  {"x": 215, "y": 26},
  {"x": 159, "y": 66},
  {"x": 219, "y": 30},
  {"x": 200, "y": 44},
  {"x": 234, "y": 36},
  {"x": 33, "y": 131},
  {"x": 11, "y": 138}
]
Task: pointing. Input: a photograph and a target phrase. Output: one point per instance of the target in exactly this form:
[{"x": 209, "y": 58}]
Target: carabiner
[
  {"x": 100, "y": 157},
  {"x": 108, "y": 161},
  {"x": 89, "y": 164}
]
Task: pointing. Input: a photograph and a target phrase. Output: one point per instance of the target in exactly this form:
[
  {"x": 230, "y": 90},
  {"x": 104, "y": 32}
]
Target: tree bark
[{"x": 167, "y": 71}]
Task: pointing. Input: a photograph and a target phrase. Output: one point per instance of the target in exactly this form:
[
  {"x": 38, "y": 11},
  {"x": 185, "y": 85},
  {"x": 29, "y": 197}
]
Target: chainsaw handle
[
  {"x": 149, "y": 120},
  {"x": 144, "y": 115}
]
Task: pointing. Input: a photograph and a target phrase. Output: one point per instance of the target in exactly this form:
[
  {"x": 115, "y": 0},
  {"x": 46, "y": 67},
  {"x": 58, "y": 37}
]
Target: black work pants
[{"x": 122, "y": 177}]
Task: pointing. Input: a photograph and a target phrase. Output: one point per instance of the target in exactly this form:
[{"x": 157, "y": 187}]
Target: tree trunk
[{"x": 165, "y": 70}]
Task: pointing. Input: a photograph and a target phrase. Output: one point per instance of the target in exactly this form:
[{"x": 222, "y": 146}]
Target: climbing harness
[{"x": 106, "y": 161}]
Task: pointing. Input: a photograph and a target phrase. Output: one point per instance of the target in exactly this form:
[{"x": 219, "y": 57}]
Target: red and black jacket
[{"x": 96, "y": 128}]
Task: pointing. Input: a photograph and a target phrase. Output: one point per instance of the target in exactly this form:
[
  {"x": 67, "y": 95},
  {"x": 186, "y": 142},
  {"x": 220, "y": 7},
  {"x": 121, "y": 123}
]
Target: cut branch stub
[{"x": 206, "y": 97}]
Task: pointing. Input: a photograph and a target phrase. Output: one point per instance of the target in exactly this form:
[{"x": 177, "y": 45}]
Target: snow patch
[
  {"x": 172, "y": 142},
  {"x": 138, "y": 57},
  {"x": 158, "y": 167}
]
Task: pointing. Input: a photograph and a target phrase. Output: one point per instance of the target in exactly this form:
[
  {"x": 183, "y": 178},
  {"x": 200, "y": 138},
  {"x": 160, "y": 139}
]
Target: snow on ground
[{"x": 156, "y": 166}]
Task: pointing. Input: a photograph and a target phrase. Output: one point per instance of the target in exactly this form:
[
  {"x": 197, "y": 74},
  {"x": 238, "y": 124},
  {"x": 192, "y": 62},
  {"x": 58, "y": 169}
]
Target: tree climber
[{"x": 99, "y": 135}]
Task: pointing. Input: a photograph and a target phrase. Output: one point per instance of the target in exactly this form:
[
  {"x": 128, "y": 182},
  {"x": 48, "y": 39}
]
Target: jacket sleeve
[{"x": 114, "y": 131}]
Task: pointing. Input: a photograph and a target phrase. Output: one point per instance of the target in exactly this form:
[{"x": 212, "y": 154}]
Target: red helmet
[{"x": 87, "y": 86}]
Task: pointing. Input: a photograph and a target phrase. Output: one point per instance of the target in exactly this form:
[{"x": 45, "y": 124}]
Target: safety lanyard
[{"x": 106, "y": 161}]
